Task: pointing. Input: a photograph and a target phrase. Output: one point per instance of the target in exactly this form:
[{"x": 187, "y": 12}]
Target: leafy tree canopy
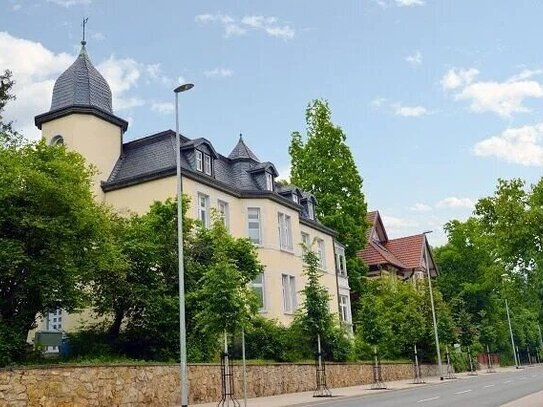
[{"x": 324, "y": 165}]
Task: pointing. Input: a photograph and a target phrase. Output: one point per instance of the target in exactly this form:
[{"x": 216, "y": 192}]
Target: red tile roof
[
  {"x": 375, "y": 254},
  {"x": 404, "y": 253},
  {"x": 408, "y": 249}
]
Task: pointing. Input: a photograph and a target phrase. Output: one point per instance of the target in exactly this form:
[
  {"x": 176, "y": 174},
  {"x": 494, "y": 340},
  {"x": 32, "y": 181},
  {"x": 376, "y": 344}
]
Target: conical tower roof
[
  {"x": 82, "y": 85},
  {"x": 242, "y": 152},
  {"x": 81, "y": 89}
]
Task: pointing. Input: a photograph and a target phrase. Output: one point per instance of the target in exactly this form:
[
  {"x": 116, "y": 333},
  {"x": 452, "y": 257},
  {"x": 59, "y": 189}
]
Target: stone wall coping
[{"x": 151, "y": 364}]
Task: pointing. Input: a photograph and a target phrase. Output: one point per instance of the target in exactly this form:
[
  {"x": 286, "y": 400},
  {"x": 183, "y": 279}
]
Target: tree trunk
[{"x": 115, "y": 328}]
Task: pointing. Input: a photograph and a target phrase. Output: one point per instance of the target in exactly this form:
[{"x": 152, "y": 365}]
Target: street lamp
[
  {"x": 182, "y": 323},
  {"x": 433, "y": 308},
  {"x": 505, "y": 277}
]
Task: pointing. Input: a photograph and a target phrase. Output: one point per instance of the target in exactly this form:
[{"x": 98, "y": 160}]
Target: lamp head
[{"x": 184, "y": 87}]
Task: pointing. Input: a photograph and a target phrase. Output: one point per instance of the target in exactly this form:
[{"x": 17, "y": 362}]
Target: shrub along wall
[{"x": 158, "y": 385}]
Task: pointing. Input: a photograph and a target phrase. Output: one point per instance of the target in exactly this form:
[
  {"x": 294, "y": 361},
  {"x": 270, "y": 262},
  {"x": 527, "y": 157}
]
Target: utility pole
[{"x": 438, "y": 351}]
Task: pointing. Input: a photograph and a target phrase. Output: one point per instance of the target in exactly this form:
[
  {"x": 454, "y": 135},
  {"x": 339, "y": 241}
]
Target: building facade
[
  {"x": 242, "y": 188},
  {"x": 408, "y": 257}
]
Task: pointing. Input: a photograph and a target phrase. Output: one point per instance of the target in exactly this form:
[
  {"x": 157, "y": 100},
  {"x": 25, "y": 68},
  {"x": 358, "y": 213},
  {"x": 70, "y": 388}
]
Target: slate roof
[
  {"x": 242, "y": 152},
  {"x": 82, "y": 85},
  {"x": 153, "y": 157}
]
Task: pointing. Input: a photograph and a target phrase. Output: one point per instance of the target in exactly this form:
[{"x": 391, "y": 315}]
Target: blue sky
[{"x": 438, "y": 98}]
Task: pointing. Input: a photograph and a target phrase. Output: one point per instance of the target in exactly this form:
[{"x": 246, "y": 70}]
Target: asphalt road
[{"x": 490, "y": 390}]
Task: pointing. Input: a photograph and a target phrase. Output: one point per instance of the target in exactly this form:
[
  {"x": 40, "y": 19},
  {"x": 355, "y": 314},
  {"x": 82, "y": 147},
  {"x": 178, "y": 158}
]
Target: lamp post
[
  {"x": 505, "y": 277},
  {"x": 182, "y": 323},
  {"x": 433, "y": 308}
]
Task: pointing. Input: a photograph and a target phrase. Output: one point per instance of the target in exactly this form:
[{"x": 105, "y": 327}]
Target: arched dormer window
[{"x": 56, "y": 140}]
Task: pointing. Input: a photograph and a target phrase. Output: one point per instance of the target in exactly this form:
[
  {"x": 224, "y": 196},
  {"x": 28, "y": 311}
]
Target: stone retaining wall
[{"x": 158, "y": 385}]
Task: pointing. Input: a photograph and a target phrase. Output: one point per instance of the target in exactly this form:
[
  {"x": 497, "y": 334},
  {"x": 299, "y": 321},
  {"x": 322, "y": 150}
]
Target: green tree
[
  {"x": 53, "y": 236},
  {"x": 226, "y": 302},
  {"x": 314, "y": 316},
  {"x": 8, "y": 136},
  {"x": 323, "y": 165},
  {"x": 143, "y": 297}
]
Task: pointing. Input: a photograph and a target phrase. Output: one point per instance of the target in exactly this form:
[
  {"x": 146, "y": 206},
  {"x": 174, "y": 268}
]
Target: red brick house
[{"x": 406, "y": 257}]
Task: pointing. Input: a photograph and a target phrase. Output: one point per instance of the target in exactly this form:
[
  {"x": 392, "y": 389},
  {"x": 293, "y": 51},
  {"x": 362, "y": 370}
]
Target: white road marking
[
  {"x": 507, "y": 381},
  {"x": 489, "y": 385},
  {"x": 465, "y": 391},
  {"x": 428, "y": 399}
]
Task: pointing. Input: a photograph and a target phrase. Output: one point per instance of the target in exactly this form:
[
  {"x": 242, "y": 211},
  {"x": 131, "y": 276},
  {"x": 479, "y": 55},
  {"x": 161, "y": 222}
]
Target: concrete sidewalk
[
  {"x": 307, "y": 399},
  {"x": 533, "y": 400}
]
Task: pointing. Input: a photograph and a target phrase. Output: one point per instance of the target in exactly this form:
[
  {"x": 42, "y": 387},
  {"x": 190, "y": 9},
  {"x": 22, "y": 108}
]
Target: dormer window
[
  {"x": 310, "y": 209},
  {"x": 207, "y": 164},
  {"x": 199, "y": 160},
  {"x": 269, "y": 182},
  {"x": 295, "y": 198}
]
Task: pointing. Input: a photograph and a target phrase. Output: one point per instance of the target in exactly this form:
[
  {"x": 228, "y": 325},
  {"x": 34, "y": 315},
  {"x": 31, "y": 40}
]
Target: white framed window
[
  {"x": 295, "y": 198},
  {"x": 199, "y": 160},
  {"x": 306, "y": 244},
  {"x": 253, "y": 225},
  {"x": 207, "y": 164},
  {"x": 285, "y": 231},
  {"x": 344, "y": 307},
  {"x": 203, "y": 209},
  {"x": 341, "y": 266},
  {"x": 224, "y": 210},
  {"x": 258, "y": 287},
  {"x": 269, "y": 181},
  {"x": 288, "y": 287},
  {"x": 310, "y": 209},
  {"x": 321, "y": 254}
]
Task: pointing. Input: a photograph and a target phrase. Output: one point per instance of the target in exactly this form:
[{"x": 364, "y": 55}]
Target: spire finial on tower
[
  {"x": 83, "y": 41},
  {"x": 240, "y": 136}
]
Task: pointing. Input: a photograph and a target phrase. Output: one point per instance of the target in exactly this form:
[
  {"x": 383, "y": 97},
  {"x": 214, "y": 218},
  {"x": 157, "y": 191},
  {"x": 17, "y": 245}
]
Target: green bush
[{"x": 90, "y": 343}]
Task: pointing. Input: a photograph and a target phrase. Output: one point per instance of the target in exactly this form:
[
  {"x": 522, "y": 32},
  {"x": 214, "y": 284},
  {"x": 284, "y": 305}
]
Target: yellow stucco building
[{"x": 132, "y": 175}]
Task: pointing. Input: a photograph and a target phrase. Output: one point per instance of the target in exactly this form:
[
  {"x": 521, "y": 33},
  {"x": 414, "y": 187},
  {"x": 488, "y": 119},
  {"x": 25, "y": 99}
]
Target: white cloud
[
  {"x": 409, "y": 3},
  {"x": 503, "y": 98},
  {"x": 421, "y": 207},
  {"x": 234, "y": 27},
  {"x": 16, "y": 7},
  {"x": 378, "y": 102},
  {"x": 455, "y": 202},
  {"x": 520, "y": 145},
  {"x": 415, "y": 59},
  {"x": 394, "y": 222},
  {"x": 399, "y": 3},
  {"x": 35, "y": 69},
  {"x": 218, "y": 73},
  {"x": 398, "y": 109},
  {"x": 163, "y": 107},
  {"x": 410, "y": 111},
  {"x": 69, "y": 3},
  {"x": 457, "y": 77},
  {"x": 122, "y": 75}
]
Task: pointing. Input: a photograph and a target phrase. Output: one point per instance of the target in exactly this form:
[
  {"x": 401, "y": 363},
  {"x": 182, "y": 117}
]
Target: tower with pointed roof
[{"x": 81, "y": 117}]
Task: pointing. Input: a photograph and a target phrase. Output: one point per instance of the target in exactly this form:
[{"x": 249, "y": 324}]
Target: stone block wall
[{"x": 158, "y": 385}]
